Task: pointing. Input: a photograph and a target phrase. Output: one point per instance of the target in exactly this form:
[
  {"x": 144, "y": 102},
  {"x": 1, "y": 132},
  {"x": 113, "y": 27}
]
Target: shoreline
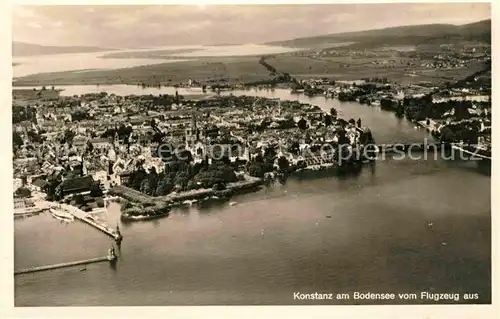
[{"x": 176, "y": 199}]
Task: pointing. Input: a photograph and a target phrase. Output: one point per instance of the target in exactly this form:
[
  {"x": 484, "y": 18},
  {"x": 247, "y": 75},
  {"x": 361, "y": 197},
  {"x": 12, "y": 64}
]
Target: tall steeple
[{"x": 194, "y": 128}]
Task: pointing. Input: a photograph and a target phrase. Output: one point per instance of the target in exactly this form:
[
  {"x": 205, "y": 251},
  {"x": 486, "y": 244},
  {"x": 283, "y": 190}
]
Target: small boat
[
  {"x": 83, "y": 269},
  {"x": 233, "y": 203},
  {"x": 328, "y": 216},
  {"x": 60, "y": 214},
  {"x": 190, "y": 202}
]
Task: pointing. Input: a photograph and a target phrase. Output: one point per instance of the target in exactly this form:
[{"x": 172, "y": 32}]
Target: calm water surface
[
  {"x": 279, "y": 240},
  {"x": 93, "y": 60}
]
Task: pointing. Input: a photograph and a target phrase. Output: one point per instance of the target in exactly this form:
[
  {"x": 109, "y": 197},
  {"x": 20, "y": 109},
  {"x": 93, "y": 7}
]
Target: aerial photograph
[{"x": 307, "y": 154}]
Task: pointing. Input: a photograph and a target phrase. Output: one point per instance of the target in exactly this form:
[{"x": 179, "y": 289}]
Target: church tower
[
  {"x": 117, "y": 139},
  {"x": 192, "y": 134},
  {"x": 194, "y": 127}
]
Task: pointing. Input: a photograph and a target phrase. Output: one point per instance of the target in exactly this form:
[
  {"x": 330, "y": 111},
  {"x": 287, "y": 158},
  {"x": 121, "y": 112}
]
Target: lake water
[
  {"x": 279, "y": 240},
  {"x": 91, "y": 61}
]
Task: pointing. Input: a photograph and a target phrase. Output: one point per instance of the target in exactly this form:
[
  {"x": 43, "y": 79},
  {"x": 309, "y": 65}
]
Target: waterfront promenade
[{"x": 136, "y": 196}]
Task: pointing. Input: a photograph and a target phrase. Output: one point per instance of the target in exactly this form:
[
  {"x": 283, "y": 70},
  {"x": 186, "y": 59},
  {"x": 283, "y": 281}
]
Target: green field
[
  {"x": 233, "y": 70},
  {"x": 209, "y": 70}
]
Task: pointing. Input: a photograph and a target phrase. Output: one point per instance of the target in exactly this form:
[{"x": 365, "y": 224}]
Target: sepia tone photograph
[{"x": 284, "y": 155}]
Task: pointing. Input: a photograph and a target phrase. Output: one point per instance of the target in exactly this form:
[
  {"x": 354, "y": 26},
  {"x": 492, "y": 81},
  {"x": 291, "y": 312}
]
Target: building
[
  {"x": 20, "y": 203},
  {"x": 18, "y": 182},
  {"x": 80, "y": 141},
  {"x": 39, "y": 184},
  {"x": 192, "y": 133},
  {"x": 101, "y": 143},
  {"x": 123, "y": 177},
  {"x": 76, "y": 185}
]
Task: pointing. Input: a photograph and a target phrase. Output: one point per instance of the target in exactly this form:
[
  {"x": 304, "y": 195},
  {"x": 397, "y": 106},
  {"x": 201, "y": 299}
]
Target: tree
[
  {"x": 79, "y": 200},
  {"x": 269, "y": 153},
  {"x": 22, "y": 192},
  {"x": 68, "y": 136},
  {"x": 462, "y": 109},
  {"x": 153, "y": 181},
  {"x": 256, "y": 170},
  {"x": 164, "y": 187},
  {"x": 136, "y": 178},
  {"x": 302, "y": 124},
  {"x": 145, "y": 187},
  {"x": 90, "y": 147},
  {"x": 328, "y": 120},
  {"x": 181, "y": 180},
  {"x": 294, "y": 148},
  {"x": 219, "y": 186},
  {"x": 333, "y": 113},
  {"x": 342, "y": 137},
  {"x": 359, "y": 122},
  {"x": 17, "y": 140},
  {"x": 125, "y": 204},
  {"x": 95, "y": 189},
  {"x": 387, "y": 104},
  {"x": 283, "y": 164},
  {"x": 447, "y": 135}
]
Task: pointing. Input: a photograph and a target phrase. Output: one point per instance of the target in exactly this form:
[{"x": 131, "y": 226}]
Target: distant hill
[
  {"x": 28, "y": 49},
  {"x": 414, "y": 34}
]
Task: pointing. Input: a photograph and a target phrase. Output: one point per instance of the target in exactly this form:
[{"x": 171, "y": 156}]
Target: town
[
  {"x": 159, "y": 151},
  {"x": 77, "y": 149},
  {"x": 174, "y": 148}
]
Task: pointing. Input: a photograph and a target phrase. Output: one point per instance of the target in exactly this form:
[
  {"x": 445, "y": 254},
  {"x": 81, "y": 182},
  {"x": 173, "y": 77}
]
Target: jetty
[
  {"x": 111, "y": 257},
  {"x": 86, "y": 218},
  {"x": 62, "y": 265}
]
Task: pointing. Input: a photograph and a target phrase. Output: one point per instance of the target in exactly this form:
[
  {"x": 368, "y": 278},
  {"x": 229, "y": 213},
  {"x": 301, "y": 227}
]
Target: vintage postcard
[{"x": 291, "y": 154}]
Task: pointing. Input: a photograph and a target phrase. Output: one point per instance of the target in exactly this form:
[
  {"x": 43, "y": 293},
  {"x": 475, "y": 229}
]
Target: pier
[
  {"x": 85, "y": 217},
  {"x": 111, "y": 257},
  {"x": 62, "y": 265}
]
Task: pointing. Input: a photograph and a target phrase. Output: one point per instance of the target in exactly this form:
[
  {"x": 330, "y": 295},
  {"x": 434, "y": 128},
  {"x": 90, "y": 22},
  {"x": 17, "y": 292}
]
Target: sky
[{"x": 148, "y": 26}]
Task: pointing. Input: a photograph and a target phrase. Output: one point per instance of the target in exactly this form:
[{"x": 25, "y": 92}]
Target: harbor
[
  {"x": 86, "y": 218},
  {"x": 68, "y": 213}
]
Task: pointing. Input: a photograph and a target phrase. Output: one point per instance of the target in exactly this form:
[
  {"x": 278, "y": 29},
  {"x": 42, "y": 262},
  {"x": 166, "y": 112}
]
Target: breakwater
[{"x": 63, "y": 265}]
